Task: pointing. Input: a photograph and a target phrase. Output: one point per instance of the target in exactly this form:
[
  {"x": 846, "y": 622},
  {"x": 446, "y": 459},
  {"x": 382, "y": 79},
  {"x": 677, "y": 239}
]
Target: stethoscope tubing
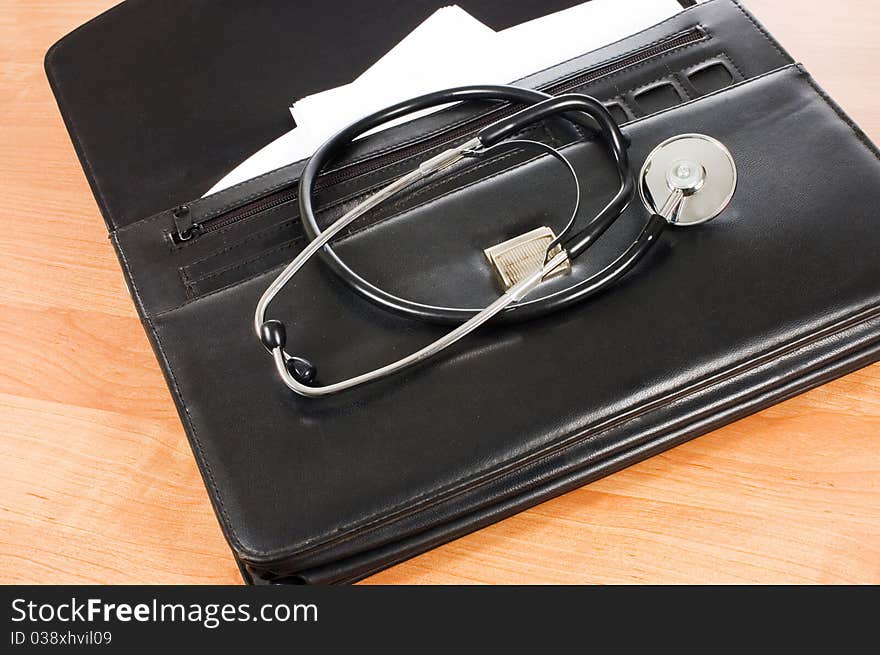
[
  {"x": 299, "y": 374},
  {"x": 579, "y": 109}
]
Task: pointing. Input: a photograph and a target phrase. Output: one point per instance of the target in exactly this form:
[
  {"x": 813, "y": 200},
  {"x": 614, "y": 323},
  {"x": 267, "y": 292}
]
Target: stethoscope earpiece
[{"x": 688, "y": 179}]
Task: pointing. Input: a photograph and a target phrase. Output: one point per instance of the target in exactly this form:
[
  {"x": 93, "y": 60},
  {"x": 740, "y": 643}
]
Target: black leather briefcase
[{"x": 777, "y": 295}]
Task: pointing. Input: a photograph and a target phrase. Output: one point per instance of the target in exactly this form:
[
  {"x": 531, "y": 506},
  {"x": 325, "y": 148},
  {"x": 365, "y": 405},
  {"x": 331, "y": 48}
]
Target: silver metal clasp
[{"x": 517, "y": 258}]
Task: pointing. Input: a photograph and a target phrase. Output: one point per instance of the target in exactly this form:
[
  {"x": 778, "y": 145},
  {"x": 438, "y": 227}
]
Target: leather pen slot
[
  {"x": 188, "y": 223},
  {"x": 711, "y": 75},
  {"x": 198, "y": 283}
]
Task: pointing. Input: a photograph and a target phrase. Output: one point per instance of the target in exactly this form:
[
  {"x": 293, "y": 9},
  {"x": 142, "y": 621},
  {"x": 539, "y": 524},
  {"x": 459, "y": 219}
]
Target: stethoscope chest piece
[{"x": 688, "y": 179}]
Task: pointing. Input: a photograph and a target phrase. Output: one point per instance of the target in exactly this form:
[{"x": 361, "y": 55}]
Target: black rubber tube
[{"x": 579, "y": 109}]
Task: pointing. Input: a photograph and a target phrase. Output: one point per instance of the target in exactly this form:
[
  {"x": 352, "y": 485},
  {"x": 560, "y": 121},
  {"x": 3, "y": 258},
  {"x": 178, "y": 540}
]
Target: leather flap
[{"x": 162, "y": 98}]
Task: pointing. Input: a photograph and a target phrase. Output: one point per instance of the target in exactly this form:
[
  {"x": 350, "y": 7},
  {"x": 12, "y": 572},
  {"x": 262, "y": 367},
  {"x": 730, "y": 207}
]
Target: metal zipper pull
[{"x": 183, "y": 222}]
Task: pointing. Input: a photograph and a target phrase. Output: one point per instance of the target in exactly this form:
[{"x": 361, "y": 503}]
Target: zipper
[{"x": 187, "y": 226}]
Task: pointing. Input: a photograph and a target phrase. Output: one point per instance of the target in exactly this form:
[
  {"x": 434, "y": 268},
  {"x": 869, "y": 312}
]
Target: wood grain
[{"x": 99, "y": 485}]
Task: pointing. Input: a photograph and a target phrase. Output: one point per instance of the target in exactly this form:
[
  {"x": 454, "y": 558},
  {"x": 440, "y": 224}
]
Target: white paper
[
  {"x": 555, "y": 38},
  {"x": 452, "y": 48},
  {"x": 389, "y": 80}
]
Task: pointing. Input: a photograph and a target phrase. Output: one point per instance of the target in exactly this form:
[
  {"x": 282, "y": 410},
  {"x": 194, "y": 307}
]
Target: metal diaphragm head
[{"x": 696, "y": 166}]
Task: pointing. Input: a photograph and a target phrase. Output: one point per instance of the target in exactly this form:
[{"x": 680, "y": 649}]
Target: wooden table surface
[{"x": 99, "y": 485}]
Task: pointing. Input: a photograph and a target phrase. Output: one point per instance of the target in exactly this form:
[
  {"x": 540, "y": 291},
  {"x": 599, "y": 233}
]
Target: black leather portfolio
[{"x": 778, "y": 294}]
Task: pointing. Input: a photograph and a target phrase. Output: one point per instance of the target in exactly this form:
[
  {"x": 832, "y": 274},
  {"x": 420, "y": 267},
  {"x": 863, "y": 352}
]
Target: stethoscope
[{"x": 686, "y": 180}]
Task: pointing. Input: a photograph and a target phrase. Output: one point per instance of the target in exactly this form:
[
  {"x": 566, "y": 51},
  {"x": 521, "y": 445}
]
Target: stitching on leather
[
  {"x": 720, "y": 55},
  {"x": 202, "y": 461},
  {"x": 439, "y": 495},
  {"x": 198, "y": 295},
  {"x": 733, "y": 63},
  {"x": 184, "y": 277},
  {"x": 627, "y": 69},
  {"x": 715, "y": 93},
  {"x": 671, "y": 75},
  {"x": 773, "y": 42},
  {"x": 73, "y": 129},
  {"x": 238, "y": 244},
  {"x": 456, "y": 176},
  {"x": 860, "y": 135},
  {"x": 263, "y": 254},
  {"x": 266, "y": 190},
  {"x": 681, "y": 87},
  {"x": 652, "y": 61},
  {"x": 627, "y": 108},
  {"x": 635, "y": 34},
  {"x": 669, "y": 79}
]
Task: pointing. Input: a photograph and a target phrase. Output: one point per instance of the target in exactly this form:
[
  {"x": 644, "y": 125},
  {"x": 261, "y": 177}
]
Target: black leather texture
[{"x": 777, "y": 295}]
